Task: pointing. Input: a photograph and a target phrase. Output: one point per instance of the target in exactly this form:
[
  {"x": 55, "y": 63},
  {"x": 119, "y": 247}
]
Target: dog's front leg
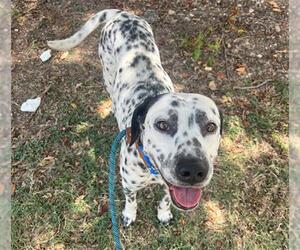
[
  {"x": 129, "y": 212},
  {"x": 164, "y": 214}
]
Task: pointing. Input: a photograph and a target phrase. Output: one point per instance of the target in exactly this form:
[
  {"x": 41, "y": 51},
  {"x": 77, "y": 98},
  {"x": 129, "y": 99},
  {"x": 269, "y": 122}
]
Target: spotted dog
[{"x": 179, "y": 132}]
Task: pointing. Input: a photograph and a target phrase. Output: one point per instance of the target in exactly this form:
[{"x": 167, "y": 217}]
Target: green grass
[{"x": 202, "y": 46}]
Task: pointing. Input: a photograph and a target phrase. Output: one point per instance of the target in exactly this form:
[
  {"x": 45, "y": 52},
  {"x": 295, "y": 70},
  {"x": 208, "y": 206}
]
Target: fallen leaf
[
  {"x": 59, "y": 246},
  {"x": 64, "y": 55},
  {"x": 48, "y": 162},
  {"x": 242, "y": 102},
  {"x": 225, "y": 99},
  {"x": 212, "y": 85},
  {"x": 208, "y": 68},
  {"x": 171, "y": 12},
  {"x": 241, "y": 31},
  {"x": 104, "y": 108},
  {"x": 73, "y": 105},
  {"x": 241, "y": 70},
  {"x": 275, "y": 6},
  {"x": 13, "y": 188},
  {"x": 233, "y": 15},
  {"x": 184, "y": 74},
  {"x": 102, "y": 209},
  {"x": 182, "y": 222},
  {"x": 220, "y": 75}
]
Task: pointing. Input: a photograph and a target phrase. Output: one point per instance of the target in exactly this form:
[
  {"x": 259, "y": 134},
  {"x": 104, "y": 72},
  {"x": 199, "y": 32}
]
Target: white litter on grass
[
  {"x": 31, "y": 105},
  {"x": 46, "y": 55}
]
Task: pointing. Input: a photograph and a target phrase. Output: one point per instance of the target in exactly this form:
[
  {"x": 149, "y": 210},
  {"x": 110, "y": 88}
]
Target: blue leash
[{"x": 111, "y": 178}]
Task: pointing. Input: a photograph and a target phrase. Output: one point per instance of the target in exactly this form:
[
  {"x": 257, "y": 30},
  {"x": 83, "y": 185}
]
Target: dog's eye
[
  {"x": 211, "y": 127},
  {"x": 162, "y": 125}
]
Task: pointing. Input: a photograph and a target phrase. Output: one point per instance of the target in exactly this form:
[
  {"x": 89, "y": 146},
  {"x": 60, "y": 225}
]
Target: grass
[{"x": 203, "y": 46}]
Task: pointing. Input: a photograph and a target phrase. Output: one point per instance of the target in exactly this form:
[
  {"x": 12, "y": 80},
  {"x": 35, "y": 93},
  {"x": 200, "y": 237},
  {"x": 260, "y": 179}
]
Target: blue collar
[
  {"x": 153, "y": 170},
  {"x": 147, "y": 160}
]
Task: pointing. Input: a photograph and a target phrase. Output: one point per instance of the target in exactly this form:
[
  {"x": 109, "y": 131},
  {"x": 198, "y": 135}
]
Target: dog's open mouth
[{"x": 185, "y": 197}]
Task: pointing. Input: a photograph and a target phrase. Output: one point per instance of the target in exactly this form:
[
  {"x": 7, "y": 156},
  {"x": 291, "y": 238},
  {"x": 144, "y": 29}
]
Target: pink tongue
[{"x": 186, "y": 197}]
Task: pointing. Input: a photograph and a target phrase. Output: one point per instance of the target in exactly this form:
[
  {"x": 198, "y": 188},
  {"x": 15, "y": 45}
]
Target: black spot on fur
[
  {"x": 196, "y": 143},
  {"x": 142, "y": 165},
  {"x": 124, "y": 15},
  {"x": 103, "y": 17},
  {"x": 175, "y": 103},
  {"x": 142, "y": 95},
  {"x": 185, "y": 133},
  {"x": 191, "y": 120},
  {"x": 173, "y": 121},
  {"x": 198, "y": 152},
  {"x": 140, "y": 58},
  {"x": 161, "y": 157},
  {"x": 201, "y": 119},
  {"x": 221, "y": 121}
]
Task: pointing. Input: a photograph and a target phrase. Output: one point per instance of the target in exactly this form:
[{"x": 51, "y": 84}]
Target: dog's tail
[{"x": 97, "y": 19}]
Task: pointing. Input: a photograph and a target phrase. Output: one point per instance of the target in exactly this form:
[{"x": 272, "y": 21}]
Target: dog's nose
[{"x": 191, "y": 170}]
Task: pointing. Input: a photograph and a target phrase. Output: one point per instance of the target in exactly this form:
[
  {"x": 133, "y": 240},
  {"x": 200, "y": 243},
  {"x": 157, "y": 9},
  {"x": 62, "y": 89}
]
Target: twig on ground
[
  {"x": 42, "y": 97},
  {"x": 256, "y": 86},
  {"x": 225, "y": 56}
]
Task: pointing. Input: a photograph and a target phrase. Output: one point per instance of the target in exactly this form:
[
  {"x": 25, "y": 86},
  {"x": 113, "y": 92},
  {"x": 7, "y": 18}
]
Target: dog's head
[{"x": 181, "y": 133}]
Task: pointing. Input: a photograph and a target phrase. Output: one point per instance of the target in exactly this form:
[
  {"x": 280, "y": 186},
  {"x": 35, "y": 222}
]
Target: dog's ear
[
  {"x": 139, "y": 116},
  {"x": 221, "y": 120}
]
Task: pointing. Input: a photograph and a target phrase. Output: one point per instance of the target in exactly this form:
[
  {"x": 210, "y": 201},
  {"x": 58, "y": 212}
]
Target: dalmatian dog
[{"x": 179, "y": 133}]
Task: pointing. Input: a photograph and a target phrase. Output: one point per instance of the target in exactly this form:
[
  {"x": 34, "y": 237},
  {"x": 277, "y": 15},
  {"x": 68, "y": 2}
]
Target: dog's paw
[
  {"x": 165, "y": 216},
  {"x": 127, "y": 219}
]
